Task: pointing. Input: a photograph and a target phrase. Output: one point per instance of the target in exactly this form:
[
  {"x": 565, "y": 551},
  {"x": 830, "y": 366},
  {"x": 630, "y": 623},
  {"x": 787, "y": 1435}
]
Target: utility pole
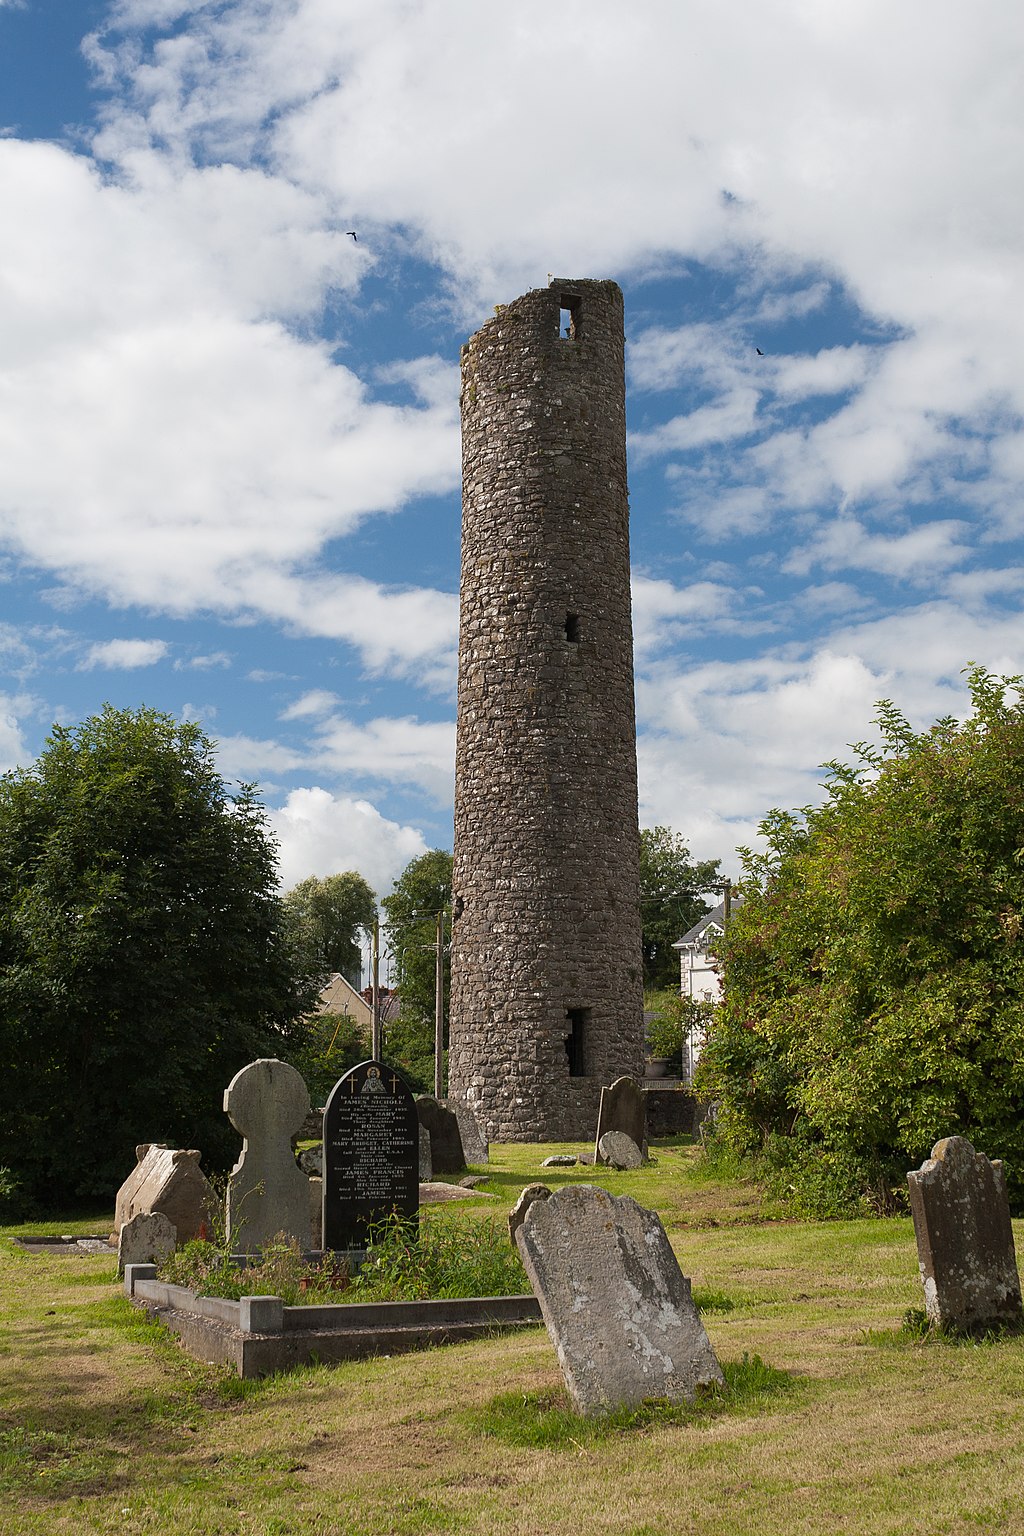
[{"x": 376, "y": 1043}]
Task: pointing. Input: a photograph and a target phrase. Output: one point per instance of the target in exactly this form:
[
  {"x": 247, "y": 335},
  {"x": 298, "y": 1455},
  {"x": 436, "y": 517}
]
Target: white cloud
[
  {"x": 324, "y": 834},
  {"x": 124, "y": 653},
  {"x": 14, "y": 751},
  {"x": 314, "y": 703},
  {"x": 914, "y": 555}
]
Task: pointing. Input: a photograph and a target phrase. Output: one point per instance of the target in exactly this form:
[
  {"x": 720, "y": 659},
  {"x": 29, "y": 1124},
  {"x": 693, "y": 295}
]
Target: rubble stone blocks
[
  {"x": 268, "y": 1193},
  {"x": 147, "y": 1238},
  {"x": 964, "y": 1239},
  {"x": 619, "y": 1151},
  {"x": 616, "y": 1305},
  {"x": 446, "y": 1154},
  {"x": 171, "y": 1182},
  {"x": 623, "y": 1107},
  {"x": 546, "y": 995},
  {"x": 517, "y": 1214}
]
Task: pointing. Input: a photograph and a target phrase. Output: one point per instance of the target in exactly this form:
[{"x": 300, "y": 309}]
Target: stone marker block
[
  {"x": 616, "y": 1305},
  {"x": 964, "y": 1238},
  {"x": 518, "y": 1212},
  {"x": 446, "y": 1152},
  {"x": 268, "y": 1192},
  {"x": 560, "y": 1160},
  {"x": 171, "y": 1182},
  {"x": 619, "y": 1150},
  {"x": 623, "y": 1108},
  {"x": 147, "y": 1238},
  {"x": 316, "y": 1212},
  {"x": 474, "y": 1143},
  {"x": 311, "y": 1161},
  {"x": 426, "y": 1160}
]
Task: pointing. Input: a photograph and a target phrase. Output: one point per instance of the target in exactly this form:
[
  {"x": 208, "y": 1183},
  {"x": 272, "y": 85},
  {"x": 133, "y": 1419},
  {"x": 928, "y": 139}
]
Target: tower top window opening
[{"x": 569, "y": 317}]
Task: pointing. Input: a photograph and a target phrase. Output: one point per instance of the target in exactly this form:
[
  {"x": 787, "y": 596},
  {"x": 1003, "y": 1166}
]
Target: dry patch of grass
[{"x": 106, "y": 1426}]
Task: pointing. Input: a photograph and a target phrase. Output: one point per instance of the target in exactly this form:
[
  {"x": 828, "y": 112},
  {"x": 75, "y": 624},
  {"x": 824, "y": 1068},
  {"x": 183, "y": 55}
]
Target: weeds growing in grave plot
[
  {"x": 206, "y": 1268},
  {"x": 547, "y": 1420},
  {"x": 448, "y": 1258},
  {"x": 917, "y": 1329}
]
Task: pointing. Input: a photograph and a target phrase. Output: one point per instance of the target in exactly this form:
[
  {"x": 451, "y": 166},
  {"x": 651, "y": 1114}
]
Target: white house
[{"x": 698, "y": 978}]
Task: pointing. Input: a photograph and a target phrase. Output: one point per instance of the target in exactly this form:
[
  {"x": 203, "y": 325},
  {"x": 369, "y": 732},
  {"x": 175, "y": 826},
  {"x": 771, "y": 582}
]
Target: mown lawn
[{"x": 105, "y": 1426}]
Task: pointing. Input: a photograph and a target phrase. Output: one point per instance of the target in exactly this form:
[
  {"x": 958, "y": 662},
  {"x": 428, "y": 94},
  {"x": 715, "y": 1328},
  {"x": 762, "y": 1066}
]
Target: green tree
[
  {"x": 143, "y": 959},
  {"x": 324, "y": 917},
  {"x": 423, "y": 889},
  {"x": 671, "y": 900},
  {"x": 874, "y": 977}
]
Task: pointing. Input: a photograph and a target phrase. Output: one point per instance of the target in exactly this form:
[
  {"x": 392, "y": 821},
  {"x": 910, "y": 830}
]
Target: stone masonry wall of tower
[{"x": 546, "y": 997}]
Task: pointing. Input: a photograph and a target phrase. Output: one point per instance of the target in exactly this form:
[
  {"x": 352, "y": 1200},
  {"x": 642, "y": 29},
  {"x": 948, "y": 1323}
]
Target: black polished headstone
[{"x": 371, "y": 1154}]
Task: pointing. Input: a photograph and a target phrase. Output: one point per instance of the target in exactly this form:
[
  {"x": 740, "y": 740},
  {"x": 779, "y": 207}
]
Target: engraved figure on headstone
[
  {"x": 371, "y": 1155},
  {"x": 964, "y": 1238},
  {"x": 268, "y": 1193}
]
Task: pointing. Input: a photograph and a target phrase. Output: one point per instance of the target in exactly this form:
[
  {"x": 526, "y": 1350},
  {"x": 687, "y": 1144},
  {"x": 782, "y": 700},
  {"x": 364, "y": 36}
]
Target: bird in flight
[
  {"x": 352, "y": 232},
  {"x": 759, "y": 352}
]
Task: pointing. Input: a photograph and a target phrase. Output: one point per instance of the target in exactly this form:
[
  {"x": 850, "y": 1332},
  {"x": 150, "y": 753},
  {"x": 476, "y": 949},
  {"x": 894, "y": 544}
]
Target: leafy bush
[
  {"x": 874, "y": 976},
  {"x": 673, "y": 1019},
  {"x": 449, "y": 1257}
]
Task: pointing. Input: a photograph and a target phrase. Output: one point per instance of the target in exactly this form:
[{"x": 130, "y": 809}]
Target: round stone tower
[{"x": 546, "y": 994}]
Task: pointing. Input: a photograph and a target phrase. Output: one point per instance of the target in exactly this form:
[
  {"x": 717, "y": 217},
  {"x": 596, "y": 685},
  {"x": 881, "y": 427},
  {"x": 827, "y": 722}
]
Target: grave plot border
[{"x": 259, "y": 1334}]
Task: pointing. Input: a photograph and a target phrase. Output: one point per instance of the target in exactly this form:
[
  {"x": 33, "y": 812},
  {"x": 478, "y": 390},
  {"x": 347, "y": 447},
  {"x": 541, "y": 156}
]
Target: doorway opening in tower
[
  {"x": 572, "y": 627},
  {"x": 568, "y": 317},
  {"x": 576, "y": 1040}
]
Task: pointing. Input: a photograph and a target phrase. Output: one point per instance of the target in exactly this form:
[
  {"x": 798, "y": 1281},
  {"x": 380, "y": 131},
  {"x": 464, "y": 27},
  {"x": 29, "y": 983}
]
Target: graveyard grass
[{"x": 835, "y": 1419}]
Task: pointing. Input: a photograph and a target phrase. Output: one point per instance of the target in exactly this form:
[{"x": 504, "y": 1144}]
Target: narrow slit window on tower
[
  {"x": 568, "y": 317},
  {"x": 576, "y": 1040},
  {"x": 572, "y": 627}
]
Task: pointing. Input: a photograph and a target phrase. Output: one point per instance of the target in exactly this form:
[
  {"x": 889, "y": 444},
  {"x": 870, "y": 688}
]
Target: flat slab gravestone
[
  {"x": 170, "y": 1181},
  {"x": 616, "y": 1304},
  {"x": 147, "y": 1238},
  {"x": 446, "y": 1153},
  {"x": 623, "y": 1107},
  {"x": 619, "y": 1150},
  {"x": 268, "y": 1193},
  {"x": 371, "y": 1155},
  {"x": 964, "y": 1238}
]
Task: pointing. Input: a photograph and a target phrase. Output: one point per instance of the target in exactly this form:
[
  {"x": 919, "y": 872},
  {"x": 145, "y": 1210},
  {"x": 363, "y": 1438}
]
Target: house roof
[{"x": 714, "y": 921}]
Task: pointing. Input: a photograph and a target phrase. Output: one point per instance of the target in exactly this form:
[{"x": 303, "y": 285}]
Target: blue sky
[{"x": 229, "y": 445}]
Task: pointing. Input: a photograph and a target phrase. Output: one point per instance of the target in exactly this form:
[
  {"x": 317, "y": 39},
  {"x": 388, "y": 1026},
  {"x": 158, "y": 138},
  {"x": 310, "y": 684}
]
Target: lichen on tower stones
[{"x": 546, "y": 999}]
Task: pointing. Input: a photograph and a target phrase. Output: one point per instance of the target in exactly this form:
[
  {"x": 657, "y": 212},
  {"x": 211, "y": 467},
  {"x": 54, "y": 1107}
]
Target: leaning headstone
[
  {"x": 426, "y": 1161},
  {"x": 169, "y": 1181},
  {"x": 268, "y": 1193},
  {"x": 148, "y": 1238},
  {"x": 474, "y": 1143},
  {"x": 446, "y": 1154},
  {"x": 619, "y": 1150},
  {"x": 964, "y": 1238},
  {"x": 615, "y": 1303},
  {"x": 517, "y": 1214},
  {"x": 371, "y": 1155},
  {"x": 623, "y": 1108}
]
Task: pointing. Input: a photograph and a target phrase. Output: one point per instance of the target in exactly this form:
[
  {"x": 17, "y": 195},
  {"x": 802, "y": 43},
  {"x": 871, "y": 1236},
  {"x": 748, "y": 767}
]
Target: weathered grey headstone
[
  {"x": 426, "y": 1161},
  {"x": 964, "y": 1239},
  {"x": 371, "y": 1155},
  {"x": 311, "y": 1161},
  {"x": 147, "y": 1238},
  {"x": 316, "y": 1211},
  {"x": 169, "y": 1181},
  {"x": 268, "y": 1193},
  {"x": 560, "y": 1160},
  {"x": 616, "y": 1305},
  {"x": 474, "y": 1143},
  {"x": 623, "y": 1108},
  {"x": 619, "y": 1150},
  {"x": 518, "y": 1212},
  {"x": 446, "y": 1153}
]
